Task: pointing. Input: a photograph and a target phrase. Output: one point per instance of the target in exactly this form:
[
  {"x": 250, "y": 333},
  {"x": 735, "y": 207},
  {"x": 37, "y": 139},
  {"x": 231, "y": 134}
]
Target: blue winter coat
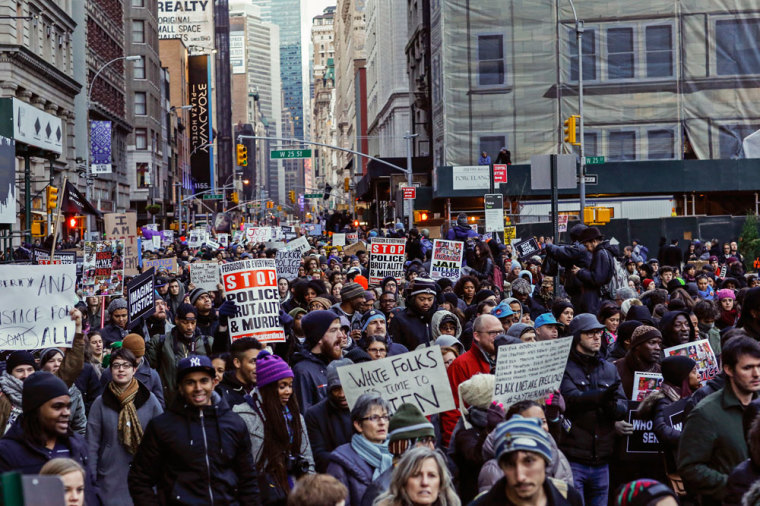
[
  {"x": 350, "y": 469},
  {"x": 310, "y": 378},
  {"x": 328, "y": 427}
]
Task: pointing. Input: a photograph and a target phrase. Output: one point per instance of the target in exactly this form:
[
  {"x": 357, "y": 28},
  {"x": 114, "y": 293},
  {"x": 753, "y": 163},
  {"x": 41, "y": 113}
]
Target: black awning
[
  {"x": 73, "y": 202},
  {"x": 375, "y": 169}
]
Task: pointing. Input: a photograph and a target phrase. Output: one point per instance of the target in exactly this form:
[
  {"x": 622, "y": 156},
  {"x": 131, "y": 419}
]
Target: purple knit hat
[{"x": 270, "y": 369}]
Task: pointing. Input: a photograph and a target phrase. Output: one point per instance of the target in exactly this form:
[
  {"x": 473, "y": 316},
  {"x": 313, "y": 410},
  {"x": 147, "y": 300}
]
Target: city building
[
  {"x": 323, "y": 99},
  {"x": 418, "y": 72}
]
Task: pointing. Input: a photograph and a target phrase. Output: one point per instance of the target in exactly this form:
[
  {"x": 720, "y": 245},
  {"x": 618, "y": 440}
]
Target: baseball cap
[
  {"x": 193, "y": 363},
  {"x": 546, "y": 319}
]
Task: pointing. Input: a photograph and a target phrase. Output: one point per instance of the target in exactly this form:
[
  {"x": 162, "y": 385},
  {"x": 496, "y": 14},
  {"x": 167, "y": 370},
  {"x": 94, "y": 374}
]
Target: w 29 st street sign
[{"x": 289, "y": 154}]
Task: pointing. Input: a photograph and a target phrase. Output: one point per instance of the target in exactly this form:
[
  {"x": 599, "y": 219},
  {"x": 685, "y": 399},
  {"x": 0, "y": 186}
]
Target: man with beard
[
  {"x": 542, "y": 299},
  {"x": 643, "y": 355},
  {"x": 158, "y": 322},
  {"x": 328, "y": 422},
  {"x": 411, "y": 327},
  {"x": 676, "y": 328},
  {"x": 236, "y": 384},
  {"x": 322, "y": 345},
  {"x": 373, "y": 325}
]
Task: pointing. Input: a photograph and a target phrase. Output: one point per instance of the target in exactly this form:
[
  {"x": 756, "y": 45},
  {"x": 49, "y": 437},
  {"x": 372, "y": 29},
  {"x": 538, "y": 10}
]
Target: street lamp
[{"x": 579, "y": 29}]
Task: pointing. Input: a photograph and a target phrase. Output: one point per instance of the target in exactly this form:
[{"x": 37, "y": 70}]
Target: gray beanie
[
  {"x": 521, "y": 286},
  {"x": 333, "y": 380},
  {"x": 115, "y": 304}
]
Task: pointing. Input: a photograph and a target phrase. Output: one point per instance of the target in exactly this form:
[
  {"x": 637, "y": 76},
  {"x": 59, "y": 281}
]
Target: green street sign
[
  {"x": 594, "y": 160},
  {"x": 213, "y": 196},
  {"x": 288, "y": 154},
  {"x": 313, "y": 196}
]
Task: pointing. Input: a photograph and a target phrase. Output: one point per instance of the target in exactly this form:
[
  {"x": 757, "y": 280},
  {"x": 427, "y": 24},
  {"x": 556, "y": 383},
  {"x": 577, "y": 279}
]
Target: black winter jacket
[
  {"x": 410, "y": 327},
  {"x": 195, "y": 456},
  {"x": 310, "y": 378},
  {"x": 231, "y": 390},
  {"x": 328, "y": 427},
  {"x": 497, "y": 496},
  {"x": 567, "y": 256},
  {"x": 739, "y": 482},
  {"x": 596, "y": 276},
  {"x": 594, "y": 396},
  {"x": 89, "y": 384}
]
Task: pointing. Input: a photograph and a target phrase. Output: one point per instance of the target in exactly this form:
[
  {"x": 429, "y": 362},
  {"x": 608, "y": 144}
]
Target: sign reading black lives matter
[
  {"x": 530, "y": 371},
  {"x": 141, "y": 295},
  {"x": 527, "y": 248},
  {"x": 418, "y": 377},
  {"x": 288, "y": 263},
  {"x": 386, "y": 258},
  {"x": 35, "y": 302}
]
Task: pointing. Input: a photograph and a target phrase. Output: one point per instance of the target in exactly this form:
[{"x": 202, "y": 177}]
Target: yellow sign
[{"x": 509, "y": 234}]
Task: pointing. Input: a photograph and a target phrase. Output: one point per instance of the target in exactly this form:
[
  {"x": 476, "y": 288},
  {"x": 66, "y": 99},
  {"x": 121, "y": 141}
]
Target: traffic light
[
  {"x": 72, "y": 222},
  {"x": 51, "y": 197},
  {"x": 242, "y": 155},
  {"x": 420, "y": 216},
  {"x": 346, "y": 185},
  {"x": 234, "y": 197},
  {"x": 328, "y": 189},
  {"x": 292, "y": 196},
  {"x": 270, "y": 204},
  {"x": 356, "y": 223},
  {"x": 571, "y": 130},
  {"x": 39, "y": 228}
]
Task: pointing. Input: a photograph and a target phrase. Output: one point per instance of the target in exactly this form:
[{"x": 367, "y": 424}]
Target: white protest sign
[
  {"x": 288, "y": 262},
  {"x": 530, "y": 370},
  {"x": 224, "y": 239},
  {"x": 418, "y": 377},
  {"x": 644, "y": 383},
  {"x": 36, "y": 300},
  {"x": 195, "y": 240},
  {"x": 352, "y": 237},
  {"x": 258, "y": 234},
  {"x": 339, "y": 239},
  {"x": 213, "y": 244},
  {"x": 252, "y": 285},
  {"x": 156, "y": 242},
  {"x": 447, "y": 259},
  {"x": 386, "y": 259},
  {"x": 204, "y": 275},
  {"x": 301, "y": 245},
  {"x": 701, "y": 352}
]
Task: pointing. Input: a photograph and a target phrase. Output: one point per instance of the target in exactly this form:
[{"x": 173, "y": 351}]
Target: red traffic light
[
  {"x": 356, "y": 223},
  {"x": 72, "y": 223}
]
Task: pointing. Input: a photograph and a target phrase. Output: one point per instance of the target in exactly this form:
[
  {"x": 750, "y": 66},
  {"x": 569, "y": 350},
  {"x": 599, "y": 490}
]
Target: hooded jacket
[
  {"x": 328, "y": 427},
  {"x": 460, "y": 233},
  {"x": 435, "y": 322},
  {"x": 310, "y": 378},
  {"x": 666, "y": 328},
  {"x": 195, "y": 456},
  {"x": 411, "y": 327}
]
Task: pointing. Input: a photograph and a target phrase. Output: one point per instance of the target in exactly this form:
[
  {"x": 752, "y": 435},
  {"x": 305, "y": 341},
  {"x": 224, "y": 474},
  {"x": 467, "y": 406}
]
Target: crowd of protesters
[{"x": 167, "y": 410}]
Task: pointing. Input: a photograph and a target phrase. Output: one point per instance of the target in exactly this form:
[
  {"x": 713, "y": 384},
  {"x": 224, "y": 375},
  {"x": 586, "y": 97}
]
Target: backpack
[{"x": 619, "y": 280}]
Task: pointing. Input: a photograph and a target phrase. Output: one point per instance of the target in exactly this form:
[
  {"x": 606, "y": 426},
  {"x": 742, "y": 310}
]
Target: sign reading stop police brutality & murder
[
  {"x": 252, "y": 285},
  {"x": 386, "y": 258},
  {"x": 35, "y": 301},
  {"x": 418, "y": 377},
  {"x": 447, "y": 259}
]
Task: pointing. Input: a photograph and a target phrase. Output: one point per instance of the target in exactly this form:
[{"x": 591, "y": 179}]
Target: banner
[
  {"x": 35, "y": 301},
  {"x": 103, "y": 268},
  {"x": 288, "y": 263},
  {"x": 447, "y": 260},
  {"x": 166, "y": 264},
  {"x": 41, "y": 256},
  {"x": 701, "y": 352},
  {"x": 252, "y": 285},
  {"x": 201, "y": 163},
  {"x": 141, "y": 294},
  {"x": 417, "y": 377},
  {"x": 339, "y": 240},
  {"x": 386, "y": 258},
  {"x": 205, "y": 275},
  {"x": 530, "y": 370},
  {"x": 124, "y": 226},
  {"x": 644, "y": 383},
  {"x": 100, "y": 147},
  {"x": 301, "y": 245}
]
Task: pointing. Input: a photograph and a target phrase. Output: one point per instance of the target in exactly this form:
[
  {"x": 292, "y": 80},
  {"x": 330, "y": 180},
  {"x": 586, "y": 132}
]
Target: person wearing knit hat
[
  {"x": 646, "y": 492},
  {"x": 318, "y": 303},
  {"x": 620, "y": 347},
  {"x": 19, "y": 366},
  {"x": 116, "y": 328},
  {"x": 475, "y": 393},
  {"x": 643, "y": 355},
  {"x": 411, "y": 326},
  {"x": 351, "y": 306},
  {"x": 322, "y": 344},
  {"x": 270, "y": 369},
  {"x": 408, "y": 427}
]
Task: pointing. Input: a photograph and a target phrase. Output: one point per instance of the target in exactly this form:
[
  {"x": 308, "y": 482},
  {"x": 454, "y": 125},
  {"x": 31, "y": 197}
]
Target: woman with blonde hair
[
  {"x": 420, "y": 478},
  {"x": 72, "y": 476}
]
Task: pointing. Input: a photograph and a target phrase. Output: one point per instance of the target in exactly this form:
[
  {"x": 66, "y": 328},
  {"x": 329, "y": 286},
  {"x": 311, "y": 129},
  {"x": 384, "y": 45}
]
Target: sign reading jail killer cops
[
  {"x": 205, "y": 275},
  {"x": 288, "y": 263},
  {"x": 141, "y": 294},
  {"x": 35, "y": 302},
  {"x": 447, "y": 259},
  {"x": 386, "y": 258},
  {"x": 530, "y": 370},
  {"x": 418, "y": 377},
  {"x": 252, "y": 285}
]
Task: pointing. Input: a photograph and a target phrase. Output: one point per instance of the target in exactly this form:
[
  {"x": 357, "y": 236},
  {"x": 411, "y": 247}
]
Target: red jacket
[{"x": 465, "y": 366}]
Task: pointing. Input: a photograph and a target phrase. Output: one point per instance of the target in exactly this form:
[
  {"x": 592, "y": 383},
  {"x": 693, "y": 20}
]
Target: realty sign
[
  {"x": 252, "y": 285},
  {"x": 447, "y": 259},
  {"x": 288, "y": 262},
  {"x": 386, "y": 258},
  {"x": 141, "y": 293},
  {"x": 204, "y": 275}
]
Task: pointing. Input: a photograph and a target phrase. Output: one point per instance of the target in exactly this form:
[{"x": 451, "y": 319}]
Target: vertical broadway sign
[{"x": 200, "y": 122}]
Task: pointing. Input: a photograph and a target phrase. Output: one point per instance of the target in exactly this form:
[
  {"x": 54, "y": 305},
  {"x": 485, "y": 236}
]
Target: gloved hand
[
  {"x": 228, "y": 308},
  {"x": 286, "y": 321},
  {"x": 555, "y": 406}
]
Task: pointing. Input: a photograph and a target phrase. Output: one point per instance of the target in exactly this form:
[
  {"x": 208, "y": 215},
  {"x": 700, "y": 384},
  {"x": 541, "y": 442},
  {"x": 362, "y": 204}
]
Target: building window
[
  {"x": 491, "y": 62},
  {"x": 139, "y": 68},
  {"x": 620, "y": 53},
  {"x": 731, "y": 137},
  {"x": 590, "y": 143},
  {"x": 659, "y": 51},
  {"x": 622, "y": 146},
  {"x": 141, "y": 103},
  {"x": 138, "y": 3},
  {"x": 661, "y": 144},
  {"x": 736, "y": 46},
  {"x": 492, "y": 144},
  {"x": 138, "y": 31},
  {"x": 589, "y": 55},
  {"x": 142, "y": 170},
  {"x": 141, "y": 138}
]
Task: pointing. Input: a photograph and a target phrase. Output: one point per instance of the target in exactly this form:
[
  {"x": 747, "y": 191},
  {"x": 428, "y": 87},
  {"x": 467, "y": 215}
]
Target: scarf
[
  {"x": 129, "y": 427},
  {"x": 12, "y": 387},
  {"x": 374, "y": 454}
]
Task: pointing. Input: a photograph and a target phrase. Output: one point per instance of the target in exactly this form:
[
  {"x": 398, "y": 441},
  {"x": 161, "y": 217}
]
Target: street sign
[
  {"x": 494, "y": 210},
  {"x": 590, "y": 179},
  {"x": 313, "y": 196},
  {"x": 500, "y": 173},
  {"x": 283, "y": 154},
  {"x": 593, "y": 160},
  {"x": 213, "y": 196},
  {"x": 410, "y": 192}
]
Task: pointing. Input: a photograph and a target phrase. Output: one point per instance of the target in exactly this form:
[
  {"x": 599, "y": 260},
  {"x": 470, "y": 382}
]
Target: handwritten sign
[
  {"x": 103, "y": 268},
  {"x": 386, "y": 258},
  {"x": 339, "y": 240},
  {"x": 124, "y": 226},
  {"x": 204, "y": 275},
  {"x": 447, "y": 259},
  {"x": 258, "y": 234},
  {"x": 701, "y": 352},
  {"x": 288, "y": 263},
  {"x": 530, "y": 370},
  {"x": 166, "y": 264},
  {"x": 644, "y": 383},
  {"x": 301, "y": 245},
  {"x": 141, "y": 294},
  {"x": 252, "y": 285},
  {"x": 35, "y": 301},
  {"x": 418, "y": 377}
]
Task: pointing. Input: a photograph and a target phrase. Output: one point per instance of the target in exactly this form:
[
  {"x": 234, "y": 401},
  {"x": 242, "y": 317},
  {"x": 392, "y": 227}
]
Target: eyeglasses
[
  {"x": 376, "y": 418},
  {"x": 121, "y": 365},
  {"x": 491, "y": 333}
]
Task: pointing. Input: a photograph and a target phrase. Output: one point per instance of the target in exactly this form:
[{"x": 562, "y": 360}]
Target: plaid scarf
[{"x": 129, "y": 427}]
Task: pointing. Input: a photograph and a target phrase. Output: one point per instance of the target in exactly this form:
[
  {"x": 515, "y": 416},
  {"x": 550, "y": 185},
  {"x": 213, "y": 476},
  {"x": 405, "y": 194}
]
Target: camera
[{"x": 297, "y": 466}]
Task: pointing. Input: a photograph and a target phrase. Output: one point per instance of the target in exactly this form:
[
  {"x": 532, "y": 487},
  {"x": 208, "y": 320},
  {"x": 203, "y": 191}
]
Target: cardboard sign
[
  {"x": 530, "y": 370},
  {"x": 527, "y": 248},
  {"x": 124, "y": 226},
  {"x": 386, "y": 258},
  {"x": 205, "y": 275},
  {"x": 252, "y": 285},
  {"x": 643, "y": 439},
  {"x": 141, "y": 295},
  {"x": 339, "y": 240},
  {"x": 258, "y": 234},
  {"x": 35, "y": 301},
  {"x": 288, "y": 263},
  {"x": 41, "y": 256},
  {"x": 103, "y": 268},
  {"x": 701, "y": 352},
  {"x": 301, "y": 245},
  {"x": 354, "y": 248},
  {"x": 418, "y": 377},
  {"x": 644, "y": 383},
  {"x": 447, "y": 259},
  {"x": 167, "y": 264}
]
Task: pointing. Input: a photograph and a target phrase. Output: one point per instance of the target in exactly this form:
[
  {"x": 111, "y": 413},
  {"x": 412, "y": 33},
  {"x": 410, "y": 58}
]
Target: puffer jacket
[
  {"x": 596, "y": 276},
  {"x": 591, "y": 413},
  {"x": 328, "y": 426},
  {"x": 352, "y": 471},
  {"x": 309, "y": 378},
  {"x": 411, "y": 327},
  {"x": 195, "y": 456}
]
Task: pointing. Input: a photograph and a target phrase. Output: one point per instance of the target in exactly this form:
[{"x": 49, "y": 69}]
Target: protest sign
[
  {"x": 701, "y": 352},
  {"x": 352, "y": 237},
  {"x": 35, "y": 301},
  {"x": 258, "y": 234},
  {"x": 224, "y": 239},
  {"x": 301, "y": 245},
  {"x": 644, "y": 383},
  {"x": 674, "y": 413},
  {"x": 167, "y": 236},
  {"x": 204, "y": 275},
  {"x": 354, "y": 248},
  {"x": 418, "y": 377},
  {"x": 157, "y": 242},
  {"x": 527, "y": 248},
  {"x": 167, "y": 264},
  {"x": 313, "y": 228},
  {"x": 386, "y": 258},
  {"x": 141, "y": 292},
  {"x": 103, "y": 268},
  {"x": 288, "y": 263},
  {"x": 252, "y": 285},
  {"x": 275, "y": 245},
  {"x": 562, "y": 221},
  {"x": 530, "y": 370},
  {"x": 510, "y": 233},
  {"x": 643, "y": 439},
  {"x": 195, "y": 239},
  {"x": 447, "y": 259},
  {"x": 41, "y": 256},
  {"x": 124, "y": 226},
  {"x": 213, "y": 244},
  {"x": 287, "y": 232},
  {"x": 339, "y": 240}
]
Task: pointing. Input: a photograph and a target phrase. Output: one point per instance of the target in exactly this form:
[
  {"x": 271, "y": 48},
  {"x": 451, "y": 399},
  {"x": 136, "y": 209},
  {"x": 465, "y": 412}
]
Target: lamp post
[{"x": 579, "y": 29}]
